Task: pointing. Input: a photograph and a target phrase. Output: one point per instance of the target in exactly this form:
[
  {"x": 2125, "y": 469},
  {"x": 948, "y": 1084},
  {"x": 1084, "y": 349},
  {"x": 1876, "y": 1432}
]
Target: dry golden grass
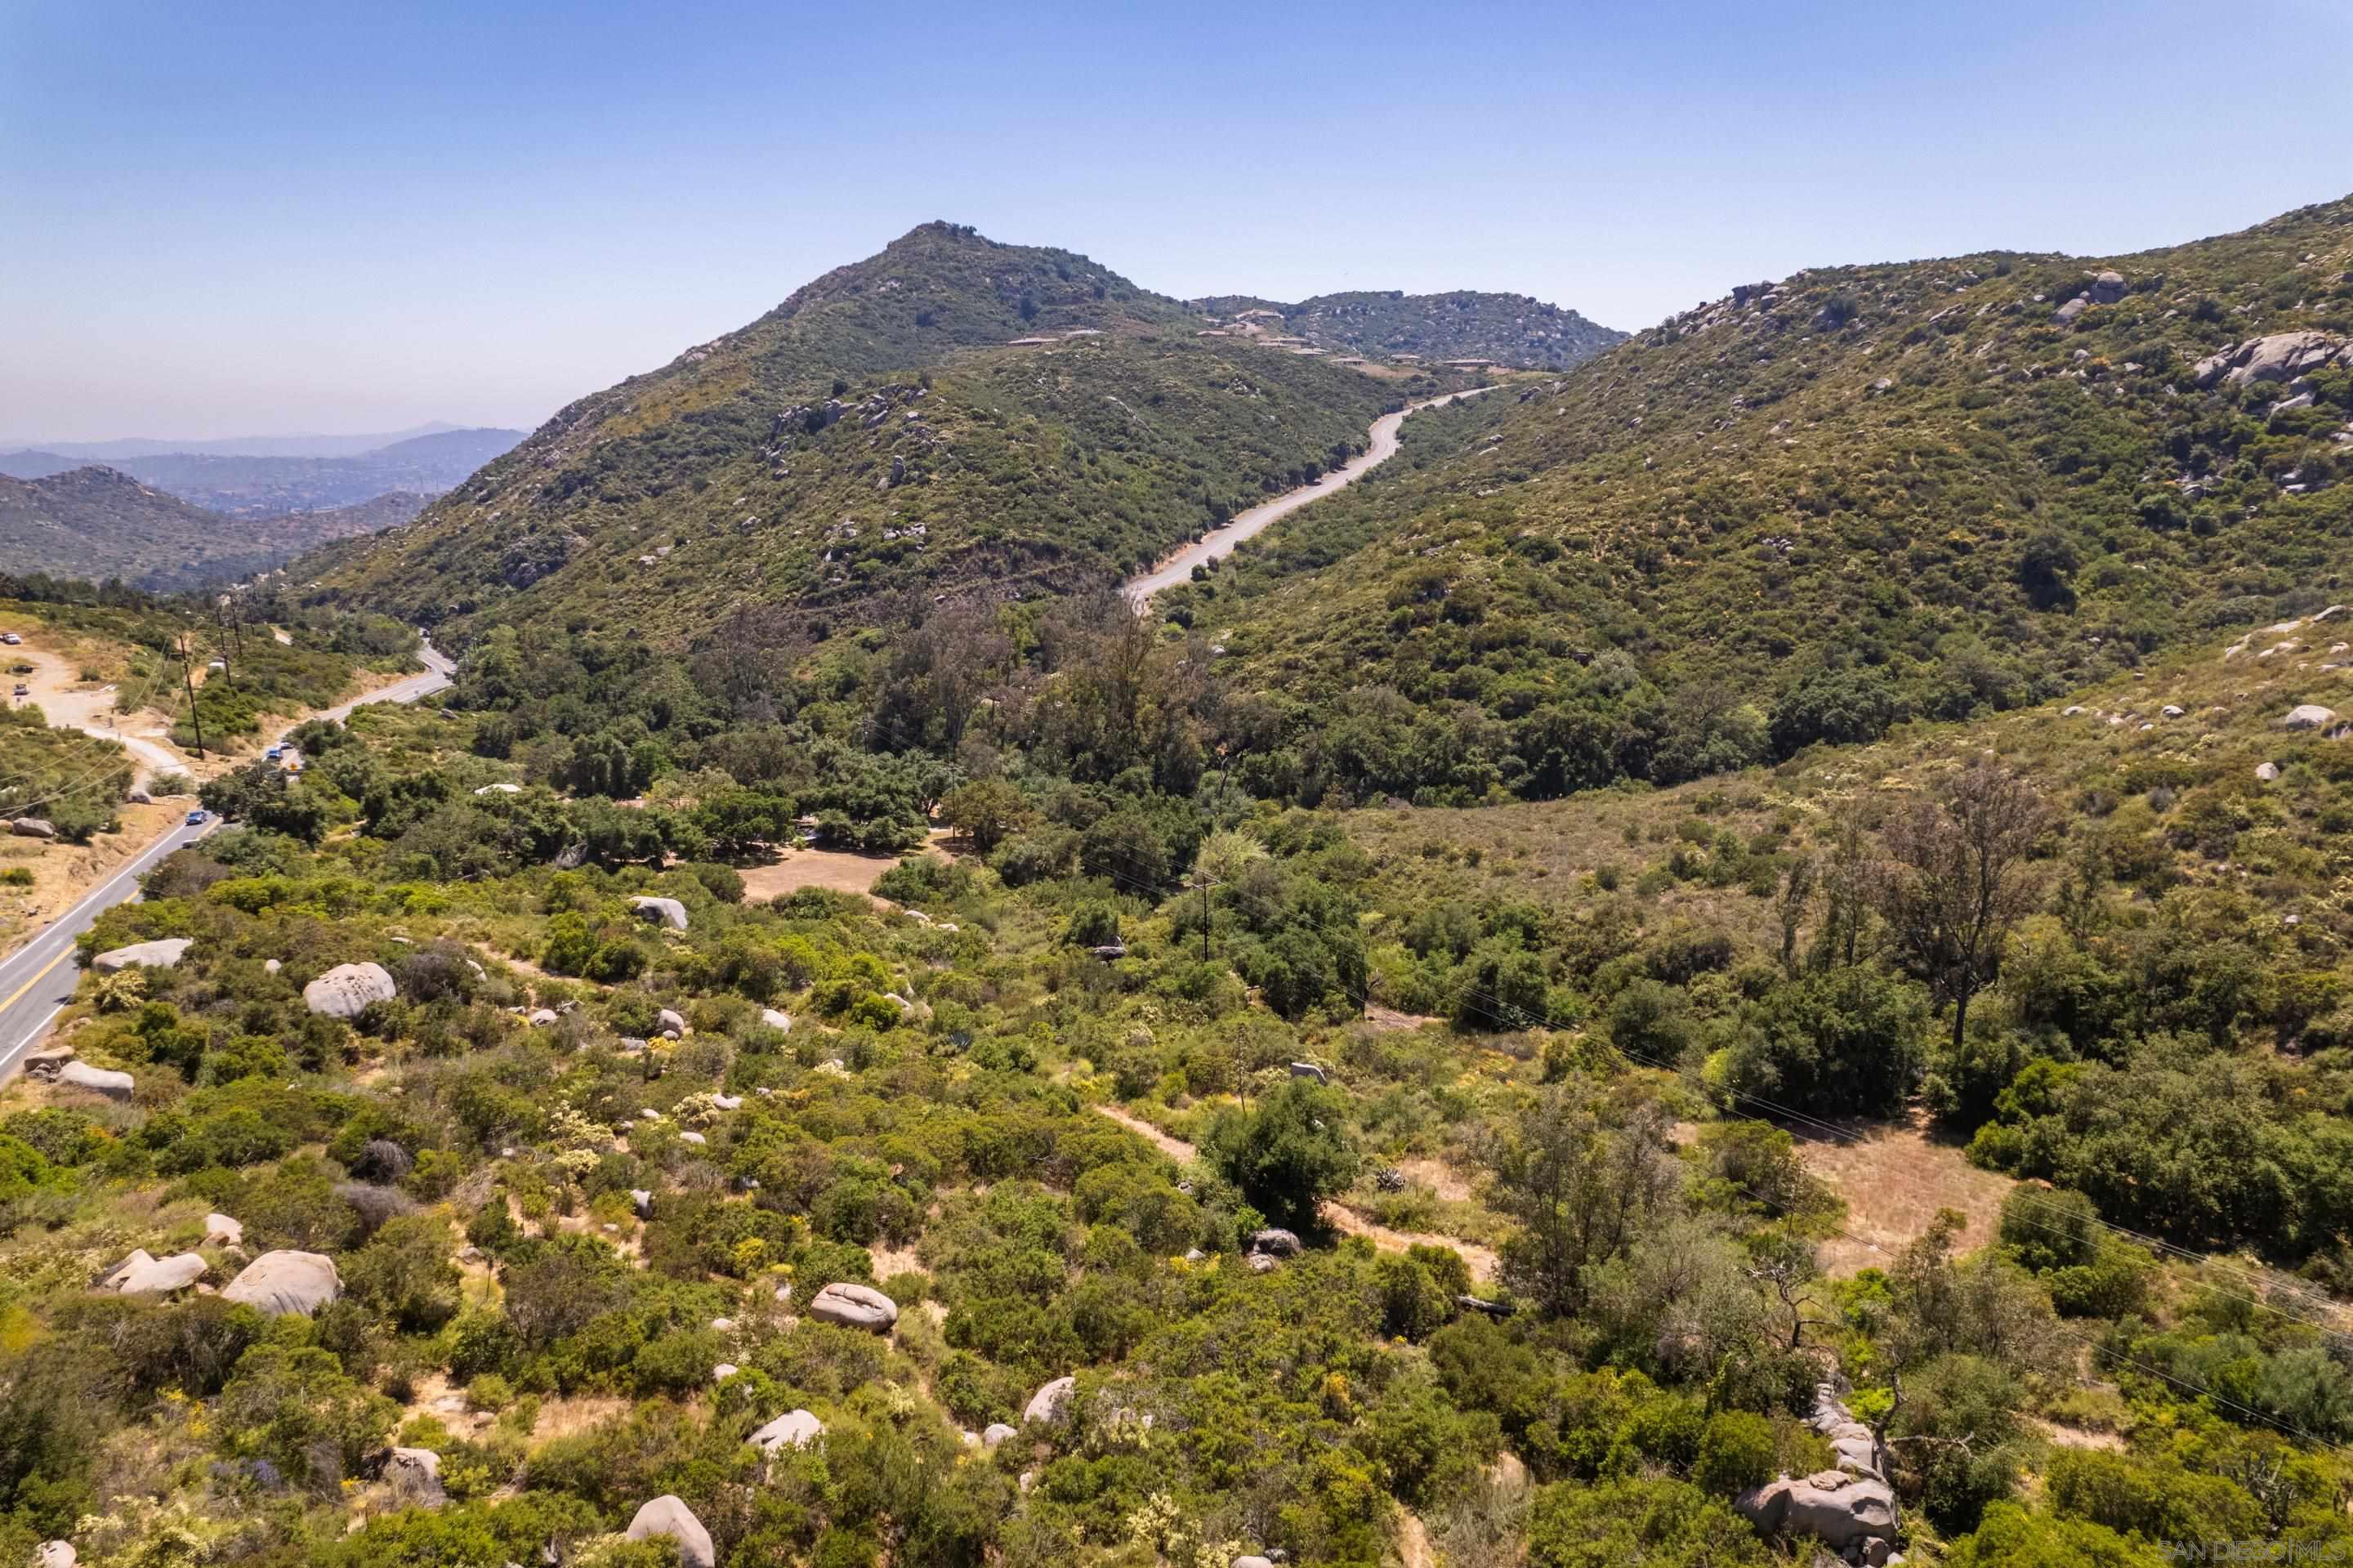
[
  {"x": 1895, "y": 1179},
  {"x": 63, "y": 872},
  {"x": 842, "y": 870}
]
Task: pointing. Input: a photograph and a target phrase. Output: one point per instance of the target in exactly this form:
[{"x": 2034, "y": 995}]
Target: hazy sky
[{"x": 218, "y": 219}]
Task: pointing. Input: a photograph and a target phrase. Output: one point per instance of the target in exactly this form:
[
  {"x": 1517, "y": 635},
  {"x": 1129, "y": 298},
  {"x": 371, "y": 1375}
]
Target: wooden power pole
[{"x": 188, "y": 679}]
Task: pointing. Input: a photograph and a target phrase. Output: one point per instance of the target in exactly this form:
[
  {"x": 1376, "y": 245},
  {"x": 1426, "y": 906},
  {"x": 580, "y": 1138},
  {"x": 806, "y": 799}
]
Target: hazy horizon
[{"x": 283, "y": 221}]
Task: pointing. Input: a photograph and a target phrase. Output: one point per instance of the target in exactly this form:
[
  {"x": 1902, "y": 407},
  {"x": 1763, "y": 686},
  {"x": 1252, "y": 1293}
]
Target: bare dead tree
[{"x": 1959, "y": 879}]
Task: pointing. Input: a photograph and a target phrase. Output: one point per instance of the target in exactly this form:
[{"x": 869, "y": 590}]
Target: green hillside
[
  {"x": 1809, "y": 509},
  {"x": 887, "y": 430},
  {"x": 95, "y": 523},
  {"x": 1512, "y": 330}
]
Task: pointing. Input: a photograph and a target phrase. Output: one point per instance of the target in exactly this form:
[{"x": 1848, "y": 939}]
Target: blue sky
[{"x": 224, "y": 219}]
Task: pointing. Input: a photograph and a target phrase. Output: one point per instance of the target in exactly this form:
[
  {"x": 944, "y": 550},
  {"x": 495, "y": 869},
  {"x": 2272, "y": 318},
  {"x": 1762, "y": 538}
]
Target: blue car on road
[{"x": 197, "y": 819}]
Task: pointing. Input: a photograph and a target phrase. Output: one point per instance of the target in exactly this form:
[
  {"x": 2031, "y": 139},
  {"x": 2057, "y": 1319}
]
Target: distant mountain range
[
  {"x": 261, "y": 484},
  {"x": 1511, "y": 330},
  {"x": 94, "y": 522},
  {"x": 314, "y": 446}
]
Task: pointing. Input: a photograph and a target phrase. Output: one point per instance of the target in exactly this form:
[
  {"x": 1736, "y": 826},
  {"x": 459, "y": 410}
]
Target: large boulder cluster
[
  {"x": 61, "y": 1066},
  {"x": 2282, "y": 357},
  {"x": 1850, "y": 1509}
]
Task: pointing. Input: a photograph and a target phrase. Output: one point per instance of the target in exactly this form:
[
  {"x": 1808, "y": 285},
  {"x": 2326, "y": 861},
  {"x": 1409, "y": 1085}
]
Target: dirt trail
[
  {"x": 1347, "y": 1221},
  {"x": 1176, "y": 1148},
  {"x": 1382, "y": 443},
  {"x": 1484, "y": 1262}
]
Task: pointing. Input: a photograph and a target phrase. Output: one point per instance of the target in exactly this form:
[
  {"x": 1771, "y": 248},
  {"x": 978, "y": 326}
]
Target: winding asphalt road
[
  {"x": 1380, "y": 446},
  {"x": 38, "y": 979}
]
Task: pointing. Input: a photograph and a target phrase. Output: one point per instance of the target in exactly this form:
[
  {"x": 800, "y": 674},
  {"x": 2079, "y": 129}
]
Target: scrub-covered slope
[
  {"x": 951, "y": 410},
  {"x": 1812, "y": 507}
]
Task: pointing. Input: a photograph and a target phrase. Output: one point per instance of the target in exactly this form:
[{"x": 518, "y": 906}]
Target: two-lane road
[{"x": 38, "y": 979}]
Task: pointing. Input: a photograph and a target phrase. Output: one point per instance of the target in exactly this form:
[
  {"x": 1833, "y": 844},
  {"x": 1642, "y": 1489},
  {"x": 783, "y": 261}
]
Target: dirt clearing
[
  {"x": 1894, "y": 1180},
  {"x": 842, "y": 871}
]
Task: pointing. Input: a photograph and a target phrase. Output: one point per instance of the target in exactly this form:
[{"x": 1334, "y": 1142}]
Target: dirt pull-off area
[{"x": 69, "y": 702}]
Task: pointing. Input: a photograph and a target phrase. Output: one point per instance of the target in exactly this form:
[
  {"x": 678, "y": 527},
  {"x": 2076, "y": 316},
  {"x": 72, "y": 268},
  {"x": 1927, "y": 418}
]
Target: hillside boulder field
[{"x": 1001, "y": 919}]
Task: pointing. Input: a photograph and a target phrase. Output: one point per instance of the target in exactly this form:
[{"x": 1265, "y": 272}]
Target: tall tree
[
  {"x": 1957, "y": 880},
  {"x": 1581, "y": 1186}
]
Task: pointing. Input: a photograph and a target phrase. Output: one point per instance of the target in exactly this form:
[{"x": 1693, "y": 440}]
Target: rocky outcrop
[
  {"x": 1050, "y": 1403},
  {"x": 1276, "y": 1242},
  {"x": 113, "y": 1085},
  {"x": 1851, "y": 1510},
  {"x": 222, "y": 1231},
  {"x": 673, "y": 1022},
  {"x": 792, "y": 1429},
  {"x": 1309, "y": 1070},
  {"x": 998, "y": 1432},
  {"x": 2282, "y": 357},
  {"x": 2308, "y": 716},
  {"x": 415, "y": 1475},
  {"x": 33, "y": 828},
  {"x": 776, "y": 1021},
  {"x": 157, "y": 955},
  {"x": 854, "y": 1307},
  {"x": 2107, "y": 288},
  {"x": 669, "y": 911},
  {"x": 141, "y": 1275},
  {"x": 56, "y": 1554},
  {"x": 283, "y": 1282},
  {"x": 666, "y": 1515},
  {"x": 347, "y": 989},
  {"x": 62, "y": 1068}
]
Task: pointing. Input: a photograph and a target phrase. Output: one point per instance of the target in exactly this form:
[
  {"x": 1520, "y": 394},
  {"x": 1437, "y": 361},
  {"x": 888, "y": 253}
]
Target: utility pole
[{"x": 188, "y": 679}]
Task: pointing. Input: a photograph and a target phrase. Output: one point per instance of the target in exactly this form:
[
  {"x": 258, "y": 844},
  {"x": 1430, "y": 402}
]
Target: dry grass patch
[
  {"x": 839, "y": 871},
  {"x": 63, "y": 872},
  {"x": 1894, "y": 1180}
]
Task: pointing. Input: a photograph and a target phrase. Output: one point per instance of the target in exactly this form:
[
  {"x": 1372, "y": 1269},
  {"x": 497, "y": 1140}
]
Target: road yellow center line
[{"x": 29, "y": 984}]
